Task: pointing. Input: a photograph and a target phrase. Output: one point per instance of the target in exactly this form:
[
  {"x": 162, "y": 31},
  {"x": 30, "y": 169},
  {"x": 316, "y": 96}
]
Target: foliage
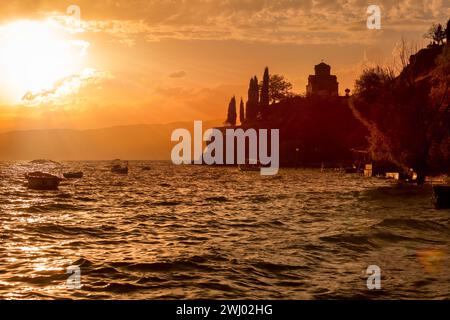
[
  {"x": 437, "y": 33},
  {"x": 447, "y": 31},
  {"x": 408, "y": 120},
  {"x": 280, "y": 88}
]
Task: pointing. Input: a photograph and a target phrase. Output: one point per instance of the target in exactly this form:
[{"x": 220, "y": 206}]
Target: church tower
[{"x": 323, "y": 83}]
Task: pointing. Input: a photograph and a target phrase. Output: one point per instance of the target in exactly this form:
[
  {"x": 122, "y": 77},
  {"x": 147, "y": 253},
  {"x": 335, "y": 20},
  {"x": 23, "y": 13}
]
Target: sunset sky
[{"x": 137, "y": 61}]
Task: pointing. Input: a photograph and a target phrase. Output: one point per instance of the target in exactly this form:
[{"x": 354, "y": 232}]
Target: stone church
[{"x": 323, "y": 83}]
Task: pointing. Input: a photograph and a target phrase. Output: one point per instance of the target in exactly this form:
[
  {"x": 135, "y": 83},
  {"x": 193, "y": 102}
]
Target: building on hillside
[{"x": 323, "y": 83}]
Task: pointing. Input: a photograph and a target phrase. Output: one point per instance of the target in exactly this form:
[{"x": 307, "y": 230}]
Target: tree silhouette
[
  {"x": 265, "y": 99},
  {"x": 447, "y": 31},
  {"x": 279, "y": 89},
  {"x": 241, "y": 112},
  {"x": 252, "y": 107},
  {"x": 409, "y": 122},
  {"x": 232, "y": 115},
  {"x": 248, "y": 106},
  {"x": 255, "y": 92},
  {"x": 436, "y": 33}
]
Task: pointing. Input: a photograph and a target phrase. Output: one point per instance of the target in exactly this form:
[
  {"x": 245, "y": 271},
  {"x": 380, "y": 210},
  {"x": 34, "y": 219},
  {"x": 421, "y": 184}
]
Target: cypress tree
[
  {"x": 248, "y": 106},
  {"x": 265, "y": 89},
  {"x": 253, "y": 100},
  {"x": 252, "y": 106},
  {"x": 256, "y": 91},
  {"x": 232, "y": 114},
  {"x": 241, "y": 112}
]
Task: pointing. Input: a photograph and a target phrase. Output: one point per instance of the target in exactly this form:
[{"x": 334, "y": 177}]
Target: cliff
[{"x": 408, "y": 116}]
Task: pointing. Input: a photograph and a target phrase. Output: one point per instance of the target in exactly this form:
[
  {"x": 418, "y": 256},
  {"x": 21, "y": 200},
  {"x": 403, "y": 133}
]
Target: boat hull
[
  {"x": 43, "y": 181},
  {"x": 441, "y": 196},
  {"x": 119, "y": 170},
  {"x": 73, "y": 175},
  {"x": 249, "y": 168}
]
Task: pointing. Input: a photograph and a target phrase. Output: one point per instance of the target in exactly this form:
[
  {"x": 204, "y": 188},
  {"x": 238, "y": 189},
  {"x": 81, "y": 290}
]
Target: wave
[
  {"x": 82, "y": 262},
  {"x": 422, "y": 225},
  {"x": 392, "y": 237},
  {"x": 277, "y": 267},
  {"x": 165, "y": 203},
  {"x": 53, "y": 207},
  {"x": 260, "y": 198},
  {"x": 217, "y": 199},
  {"x": 163, "y": 236},
  {"x": 86, "y": 199},
  {"x": 349, "y": 239},
  {"x": 164, "y": 185},
  {"x": 119, "y": 287},
  {"x": 177, "y": 265},
  {"x": 154, "y": 279},
  {"x": 202, "y": 263},
  {"x": 50, "y": 228},
  {"x": 373, "y": 239},
  {"x": 398, "y": 191}
]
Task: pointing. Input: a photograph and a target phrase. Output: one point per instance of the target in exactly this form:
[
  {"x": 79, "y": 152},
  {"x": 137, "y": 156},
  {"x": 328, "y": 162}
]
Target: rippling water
[{"x": 203, "y": 232}]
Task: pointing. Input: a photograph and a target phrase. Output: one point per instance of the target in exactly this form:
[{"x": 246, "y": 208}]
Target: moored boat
[
  {"x": 120, "y": 169},
  {"x": 73, "y": 175},
  {"x": 250, "y": 167},
  {"x": 441, "y": 196},
  {"x": 42, "y": 181}
]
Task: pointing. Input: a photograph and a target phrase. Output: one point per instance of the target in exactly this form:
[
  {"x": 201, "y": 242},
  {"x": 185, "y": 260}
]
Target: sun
[{"x": 35, "y": 56}]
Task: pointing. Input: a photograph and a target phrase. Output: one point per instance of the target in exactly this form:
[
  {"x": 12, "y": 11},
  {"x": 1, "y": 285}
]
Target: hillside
[
  {"x": 138, "y": 142},
  {"x": 323, "y": 129},
  {"x": 408, "y": 116}
]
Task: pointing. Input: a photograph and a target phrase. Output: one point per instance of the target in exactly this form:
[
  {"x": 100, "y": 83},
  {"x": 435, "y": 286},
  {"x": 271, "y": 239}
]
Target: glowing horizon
[{"x": 160, "y": 63}]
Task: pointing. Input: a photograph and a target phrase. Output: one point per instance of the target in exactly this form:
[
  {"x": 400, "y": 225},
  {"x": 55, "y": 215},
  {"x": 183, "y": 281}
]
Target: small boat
[
  {"x": 120, "y": 169},
  {"x": 73, "y": 175},
  {"x": 441, "y": 196},
  {"x": 42, "y": 181}
]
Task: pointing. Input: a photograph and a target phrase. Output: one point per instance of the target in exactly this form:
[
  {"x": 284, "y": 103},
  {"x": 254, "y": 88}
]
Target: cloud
[
  {"x": 275, "y": 21},
  {"x": 268, "y": 28},
  {"x": 63, "y": 88},
  {"x": 177, "y": 75}
]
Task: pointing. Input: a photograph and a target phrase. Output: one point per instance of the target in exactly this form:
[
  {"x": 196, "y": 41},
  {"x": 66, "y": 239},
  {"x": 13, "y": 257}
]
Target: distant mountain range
[{"x": 135, "y": 142}]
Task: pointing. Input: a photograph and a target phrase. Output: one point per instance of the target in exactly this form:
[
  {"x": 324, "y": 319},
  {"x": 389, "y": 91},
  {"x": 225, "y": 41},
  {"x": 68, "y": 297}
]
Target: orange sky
[{"x": 136, "y": 61}]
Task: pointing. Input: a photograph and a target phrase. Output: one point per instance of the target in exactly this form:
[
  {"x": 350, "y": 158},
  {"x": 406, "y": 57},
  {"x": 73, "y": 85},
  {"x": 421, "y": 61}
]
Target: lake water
[{"x": 206, "y": 232}]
